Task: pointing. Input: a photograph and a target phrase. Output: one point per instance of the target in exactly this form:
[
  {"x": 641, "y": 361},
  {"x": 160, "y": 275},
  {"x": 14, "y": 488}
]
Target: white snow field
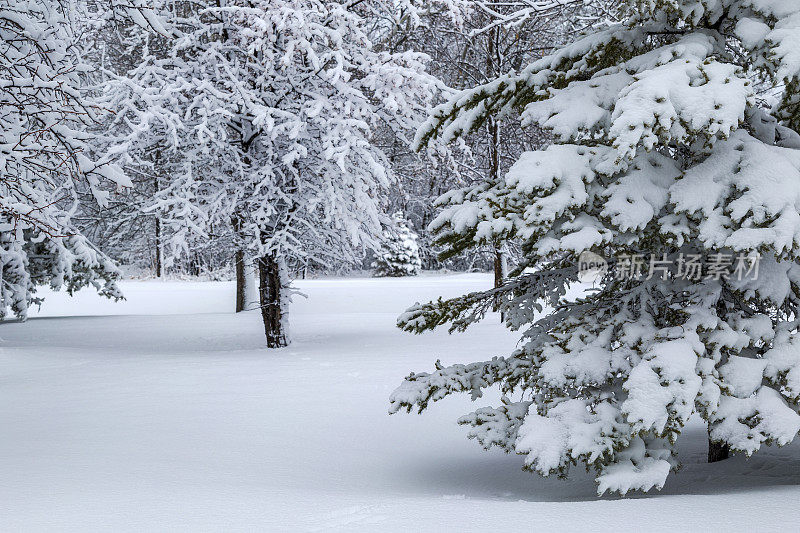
[{"x": 164, "y": 413}]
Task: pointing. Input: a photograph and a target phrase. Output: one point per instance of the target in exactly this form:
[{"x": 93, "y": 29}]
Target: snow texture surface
[{"x": 164, "y": 412}]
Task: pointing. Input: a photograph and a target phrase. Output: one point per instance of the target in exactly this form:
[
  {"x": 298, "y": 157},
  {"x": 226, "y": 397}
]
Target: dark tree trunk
[
  {"x": 158, "y": 262},
  {"x": 241, "y": 281},
  {"x": 499, "y": 276},
  {"x": 499, "y": 267},
  {"x": 156, "y": 188},
  {"x": 717, "y": 451},
  {"x": 238, "y": 259},
  {"x": 194, "y": 265},
  {"x": 493, "y": 69},
  {"x": 270, "y": 297}
]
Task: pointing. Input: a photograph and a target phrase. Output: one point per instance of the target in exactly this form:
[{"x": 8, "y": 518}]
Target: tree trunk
[
  {"x": 500, "y": 273},
  {"x": 238, "y": 259},
  {"x": 241, "y": 286},
  {"x": 500, "y": 267},
  {"x": 493, "y": 62},
  {"x": 717, "y": 451},
  {"x": 156, "y": 188},
  {"x": 194, "y": 265},
  {"x": 270, "y": 297},
  {"x": 158, "y": 262}
]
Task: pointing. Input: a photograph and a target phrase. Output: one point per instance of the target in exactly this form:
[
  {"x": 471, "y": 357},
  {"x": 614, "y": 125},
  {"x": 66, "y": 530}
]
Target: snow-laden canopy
[{"x": 47, "y": 152}]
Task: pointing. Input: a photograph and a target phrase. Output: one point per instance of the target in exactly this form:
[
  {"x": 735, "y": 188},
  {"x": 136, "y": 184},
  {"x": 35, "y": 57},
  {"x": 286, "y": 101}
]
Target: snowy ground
[{"x": 165, "y": 413}]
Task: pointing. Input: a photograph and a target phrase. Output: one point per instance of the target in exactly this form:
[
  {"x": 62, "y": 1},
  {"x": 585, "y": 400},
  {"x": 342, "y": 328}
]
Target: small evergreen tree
[
  {"x": 399, "y": 252},
  {"x": 664, "y": 149}
]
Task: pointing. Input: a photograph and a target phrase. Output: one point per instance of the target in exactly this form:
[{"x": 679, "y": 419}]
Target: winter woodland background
[{"x": 183, "y": 158}]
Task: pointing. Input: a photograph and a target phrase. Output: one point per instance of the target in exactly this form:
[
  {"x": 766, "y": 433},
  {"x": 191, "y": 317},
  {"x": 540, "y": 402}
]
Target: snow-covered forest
[{"x": 236, "y": 233}]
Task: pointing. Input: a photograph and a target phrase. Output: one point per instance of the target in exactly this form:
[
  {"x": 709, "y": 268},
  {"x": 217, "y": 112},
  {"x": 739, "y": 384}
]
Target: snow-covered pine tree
[
  {"x": 47, "y": 152},
  {"x": 662, "y": 146},
  {"x": 398, "y": 255}
]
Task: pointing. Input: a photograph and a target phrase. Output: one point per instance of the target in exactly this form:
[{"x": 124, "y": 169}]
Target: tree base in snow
[
  {"x": 271, "y": 299},
  {"x": 717, "y": 451}
]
